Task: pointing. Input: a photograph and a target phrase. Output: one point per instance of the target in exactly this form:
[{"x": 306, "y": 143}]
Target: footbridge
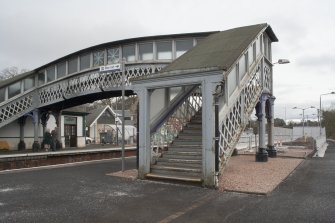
[{"x": 196, "y": 93}]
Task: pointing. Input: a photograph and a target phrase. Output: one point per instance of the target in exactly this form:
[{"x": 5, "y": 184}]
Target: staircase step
[
  {"x": 195, "y": 131},
  {"x": 176, "y": 171},
  {"x": 197, "y": 121},
  {"x": 182, "y": 153},
  {"x": 184, "y": 135},
  {"x": 168, "y": 177},
  {"x": 194, "y": 125},
  {"x": 185, "y": 149},
  {"x": 184, "y": 156},
  {"x": 181, "y": 147},
  {"x": 186, "y": 142},
  {"x": 179, "y": 163},
  {"x": 188, "y": 138}
]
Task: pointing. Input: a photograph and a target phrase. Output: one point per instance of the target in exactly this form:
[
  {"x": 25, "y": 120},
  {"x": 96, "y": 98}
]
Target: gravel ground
[
  {"x": 130, "y": 174},
  {"x": 243, "y": 174}
]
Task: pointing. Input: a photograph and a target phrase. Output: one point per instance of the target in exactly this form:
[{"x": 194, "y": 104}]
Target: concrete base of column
[
  {"x": 36, "y": 146},
  {"x": 21, "y": 145},
  {"x": 261, "y": 155},
  {"x": 272, "y": 151}
]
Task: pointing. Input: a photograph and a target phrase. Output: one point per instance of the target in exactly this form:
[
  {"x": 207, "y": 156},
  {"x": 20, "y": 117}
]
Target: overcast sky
[{"x": 35, "y": 32}]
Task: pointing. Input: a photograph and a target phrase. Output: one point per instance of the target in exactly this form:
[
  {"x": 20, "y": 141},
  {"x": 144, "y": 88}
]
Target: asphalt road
[{"x": 84, "y": 193}]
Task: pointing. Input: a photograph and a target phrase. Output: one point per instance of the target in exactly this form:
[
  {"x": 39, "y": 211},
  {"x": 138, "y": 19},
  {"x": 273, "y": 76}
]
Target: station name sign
[{"x": 112, "y": 67}]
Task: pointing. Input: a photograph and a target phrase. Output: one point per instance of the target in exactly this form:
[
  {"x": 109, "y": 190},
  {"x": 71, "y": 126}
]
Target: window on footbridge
[
  {"x": 98, "y": 58},
  {"x": 182, "y": 46},
  {"x": 128, "y": 52},
  {"x": 51, "y": 74},
  {"x": 73, "y": 66},
  {"x": 164, "y": 50},
  {"x": 2, "y": 94},
  {"x": 61, "y": 70},
  {"x": 14, "y": 89},
  {"x": 85, "y": 61},
  {"x": 113, "y": 55},
  {"x": 146, "y": 51},
  {"x": 29, "y": 83},
  {"x": 41, "y": 79}
]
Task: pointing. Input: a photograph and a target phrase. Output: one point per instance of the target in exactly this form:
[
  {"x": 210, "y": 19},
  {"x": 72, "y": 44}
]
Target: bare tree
[{"x": 10, "y": 72}]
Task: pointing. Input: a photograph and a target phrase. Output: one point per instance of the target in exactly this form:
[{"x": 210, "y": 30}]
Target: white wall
[
  {"x": 157, "y": 102},
  {"x": 11, "y": 132},
  {"x": 312, "y": 131}
]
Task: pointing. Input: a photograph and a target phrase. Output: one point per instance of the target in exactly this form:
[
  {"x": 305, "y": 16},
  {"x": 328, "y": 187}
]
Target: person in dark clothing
[
  {"x": 54, "y": 140},
  {"x": 47, "y": 140}
]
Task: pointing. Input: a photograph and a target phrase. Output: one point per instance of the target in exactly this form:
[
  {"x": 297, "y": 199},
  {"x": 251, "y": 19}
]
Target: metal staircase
[
  {"x": 182, "y": 160},
  {"x": 179, "y": 154}
]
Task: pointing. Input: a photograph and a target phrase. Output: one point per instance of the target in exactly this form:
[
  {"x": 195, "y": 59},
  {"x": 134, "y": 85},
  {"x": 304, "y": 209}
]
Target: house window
[
  {"x": 29, "y": 83},
  {"x": 113, "y": 55},
  {"x": 51, "y": 74},
  {"x": 146, "y": 51},
  {"x": 14, "y": 89},
  {"x": 61, "y": 70},
  {"x": 98, "y": 58},
  {"x": 164, "y": 50},
  {"x": 85, "y": 61},
  {"x": 128, "y": 53},
  {"x": 73, "y": 66},
  {"x": 182, "y": 46}
]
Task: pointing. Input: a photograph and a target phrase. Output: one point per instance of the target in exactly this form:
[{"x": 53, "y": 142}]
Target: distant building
[
  {"x": 72, "y": 132},
  {"x": 103, "y": 125}
]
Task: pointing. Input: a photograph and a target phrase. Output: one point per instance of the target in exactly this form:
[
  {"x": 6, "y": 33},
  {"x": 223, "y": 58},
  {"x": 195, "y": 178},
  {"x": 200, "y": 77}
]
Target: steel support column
[
  {"x": 36, "y": 144},
  {"x": 58, "y": 117},
  {"x": 208, "y": 133},
  {"x": 144, "y": 129},
  {"x": 262, "y": 154},
  {"x": 270, "y": 117},
  {"x": 22, "y": 122}
]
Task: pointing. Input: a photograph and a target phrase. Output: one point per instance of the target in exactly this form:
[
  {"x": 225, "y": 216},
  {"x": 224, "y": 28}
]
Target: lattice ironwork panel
[
  {"x": 267, "y": 77},
  {"x": 252, "y": 90},
  {"x": 15, "y": 108},
  {"x": 51, "y": 93},
  {"x": 92, "y": 82},
  {"x": 232, "y": 125}
]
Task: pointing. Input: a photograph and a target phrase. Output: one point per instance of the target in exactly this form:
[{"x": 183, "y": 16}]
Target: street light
[
  {"x": 282, "y": 61},
  {"x": 321, "y": 109},
  {"x": 123, "y": 64},
  {"x": 303, "y": 117}
]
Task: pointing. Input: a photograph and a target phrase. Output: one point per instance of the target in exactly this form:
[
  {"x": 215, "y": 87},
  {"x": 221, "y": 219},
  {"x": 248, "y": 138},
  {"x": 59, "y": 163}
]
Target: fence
[{"x": 249, "y": 141}]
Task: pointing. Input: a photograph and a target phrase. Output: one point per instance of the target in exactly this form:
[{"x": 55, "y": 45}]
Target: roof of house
[{"x": 94, "y": 114}]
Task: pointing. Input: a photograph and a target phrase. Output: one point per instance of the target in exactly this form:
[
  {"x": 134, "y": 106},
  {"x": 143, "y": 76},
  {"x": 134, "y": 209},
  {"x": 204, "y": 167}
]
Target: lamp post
[
  {"x": 321, "y": 108},
  {"x": 303, "y": 118},
  {"x": 123, "y": 94},
  {"x": 282, "y": 61}
]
